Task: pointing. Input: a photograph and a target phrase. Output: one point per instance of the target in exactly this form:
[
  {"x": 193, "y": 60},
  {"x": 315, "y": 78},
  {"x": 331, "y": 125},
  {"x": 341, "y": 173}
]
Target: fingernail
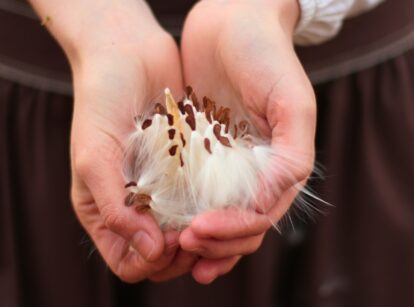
[
  {"x": 171, "y": 242},
  {"x": 144, "y": 244},
  {"x": 209, "y": 281},
  {"x": 171, "y": 238}
]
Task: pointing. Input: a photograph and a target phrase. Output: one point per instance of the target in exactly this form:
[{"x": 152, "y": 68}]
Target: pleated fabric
[
  {"x": 44, "y": 258},
  {"x": 358, "y": 253}
]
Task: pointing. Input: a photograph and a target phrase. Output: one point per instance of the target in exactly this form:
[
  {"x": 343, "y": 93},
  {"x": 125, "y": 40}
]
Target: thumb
[{"x": 98, "y": 174}]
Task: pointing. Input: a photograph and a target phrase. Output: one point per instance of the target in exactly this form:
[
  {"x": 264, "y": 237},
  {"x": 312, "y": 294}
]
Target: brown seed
[
  {"x": 189, "y": 110},
  {"x": 208, "y": 116},
  {"x": 182, "y": 139},
  {"x": 143, "y": 199},
  {"x": 209, "y": 109},
  {"x": 181, "y": 160},
  {"x": 195, "y": 101},
  {"x": 142, "y": 209},
  {"x": 223, "y": 118},
  {"x": 207, "y": 145},
  {"x": 226, "y": 123},
  {"x": 217, "y": 131},
  {"x": 223, "y": 115},
  {"x": 130, "y": 199},
  {"x": 160, "y": 109},
  {"x": 170, "y": 119},
  {"x": 188, "y": 91},
  {"x": 171, "y": 134},
  {"x": 206, "y": 102},
  {"x": 146, "y": 124},
  {"x": 224, "y": 141},
  {"x": 173, "y": 150},
  {"x": 180, "y": 106},
  {"x": 130, "y": 184},
  {"x": 190, "y": 120},
  {"x": 217, "y": 114},
  {"x": 235, "y": 132},
  {"x": 214, "y": 108},
  {"x": 211, "y": 105}
]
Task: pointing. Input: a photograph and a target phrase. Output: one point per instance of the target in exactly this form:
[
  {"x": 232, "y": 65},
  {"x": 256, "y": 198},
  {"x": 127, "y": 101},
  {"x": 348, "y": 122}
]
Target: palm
[
  {"x": 244, "y": 59},
  {"x": 109, "y": 92},
  {"x": 250, "y": 62}
]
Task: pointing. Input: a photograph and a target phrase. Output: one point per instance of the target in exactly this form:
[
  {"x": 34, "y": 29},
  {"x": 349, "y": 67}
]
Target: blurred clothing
[
  {"x": 359, "y": 253},
  {"x": 320, "y": 20},
  {"x": 30, "y": 56},
  {"x": 364, "y": 41}
]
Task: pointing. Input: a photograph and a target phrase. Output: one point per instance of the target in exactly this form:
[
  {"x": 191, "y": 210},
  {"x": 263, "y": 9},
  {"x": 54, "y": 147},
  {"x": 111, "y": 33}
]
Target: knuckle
[
  {"x": 254, "y": 245},
  {"x": 247, "y": 224},
  {"x": 296, "y": 170},
  {"x": 308, "y": 111},
  {"x": 229, "y": 265},
  {"x": 112, "y": 217},
  {"x": 83, "y": 163},
  {"x": 304, "y": 172}
]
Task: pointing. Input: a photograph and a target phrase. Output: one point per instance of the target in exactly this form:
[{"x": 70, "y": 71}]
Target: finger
[
  {"x": 182, "y": 264},
  {"x": 100, "y": 172},
  {"x": 283, "y": 103},
  {"x": 290, "y": 163},
  {"x": 282, "y": 173},
  {"x": 124, "y": 261},
  {"x": 282, "y": 206},
  {"x": 171, "y": 240},
  {"x": 206, "y": 271},
  {"x": 217, "y": 249},
  {"x": 284, "y": 97},
  {"x": 230, "y": 223}
]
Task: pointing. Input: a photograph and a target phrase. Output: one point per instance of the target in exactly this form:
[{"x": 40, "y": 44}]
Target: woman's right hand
[{"x": 120, "y": 58}]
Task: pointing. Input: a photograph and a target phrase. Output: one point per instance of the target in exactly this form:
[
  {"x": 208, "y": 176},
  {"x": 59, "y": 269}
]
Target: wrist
[
  {"x": 88, "y": 27},
  {"x": 286, "y": 12}
]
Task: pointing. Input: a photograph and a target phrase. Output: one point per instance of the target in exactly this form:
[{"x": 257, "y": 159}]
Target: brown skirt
[{"x": 359, "y": 253}]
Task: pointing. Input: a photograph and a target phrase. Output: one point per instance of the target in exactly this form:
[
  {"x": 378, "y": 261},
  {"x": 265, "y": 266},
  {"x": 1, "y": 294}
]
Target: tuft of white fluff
[{"x": 186, "y": 158}]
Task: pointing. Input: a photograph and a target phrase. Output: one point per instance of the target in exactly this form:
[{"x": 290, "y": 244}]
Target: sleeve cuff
[{"x": 320, "y": 20}]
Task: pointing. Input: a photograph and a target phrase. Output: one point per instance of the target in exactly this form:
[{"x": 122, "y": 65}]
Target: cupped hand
[
  {"x": 115, "y": 73},
  {"x": 240, "y": 53}
]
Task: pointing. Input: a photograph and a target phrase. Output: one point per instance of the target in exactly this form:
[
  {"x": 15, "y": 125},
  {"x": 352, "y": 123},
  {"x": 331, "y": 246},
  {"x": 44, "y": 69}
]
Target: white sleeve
[{"x": 322, "y": 19}]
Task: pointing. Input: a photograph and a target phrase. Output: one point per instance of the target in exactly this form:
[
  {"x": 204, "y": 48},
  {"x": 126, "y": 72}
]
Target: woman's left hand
[{"x": 244, "y": 54}]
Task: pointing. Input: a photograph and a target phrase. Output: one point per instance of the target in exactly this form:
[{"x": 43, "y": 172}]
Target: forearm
[
  {"x": 288, "y": 13},
  {"x": 85, "y": 25},
  {"x": 285, "y": 12}
]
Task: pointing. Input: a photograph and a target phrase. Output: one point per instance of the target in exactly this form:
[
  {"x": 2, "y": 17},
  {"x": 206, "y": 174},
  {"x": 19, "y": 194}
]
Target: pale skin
[{"x": 244, "y": 55}]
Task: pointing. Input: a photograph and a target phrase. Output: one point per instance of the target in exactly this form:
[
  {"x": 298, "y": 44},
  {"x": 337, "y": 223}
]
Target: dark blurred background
[{"x": 359, "y": 252}]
